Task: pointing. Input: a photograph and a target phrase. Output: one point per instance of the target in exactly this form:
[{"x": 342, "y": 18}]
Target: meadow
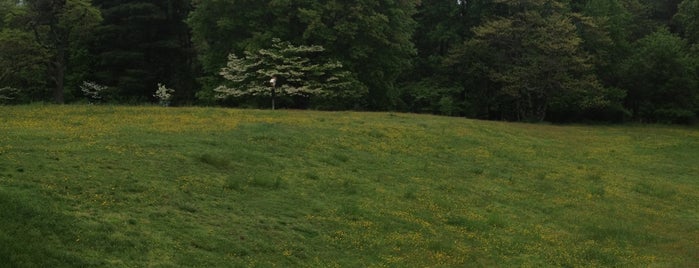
[{"x": 113, "y": 186}]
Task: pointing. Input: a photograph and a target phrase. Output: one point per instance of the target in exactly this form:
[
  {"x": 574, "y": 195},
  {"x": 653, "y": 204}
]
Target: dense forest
[{"x": 516, "y": 60}]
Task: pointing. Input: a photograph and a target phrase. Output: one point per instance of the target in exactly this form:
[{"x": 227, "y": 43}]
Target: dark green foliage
[
  {"x": 661, "y": 79},
  {"x": 533, "y": 62},
  {"x": 22, "y": 59},
  {"x": 435, "y": 96},
  {"x": 372, "y": 39},
  {"x": 554, "y": 60},
  {"x": 220, "y": 28},
  {"x": 661, "y": 12},
  {"x": 22, "y": 66},
  {"x": 143, "y": 43},
  {"x": 433, "y": 86},
  {"x": 62, "y": 27},
  {"x": 687, "y": 19}
]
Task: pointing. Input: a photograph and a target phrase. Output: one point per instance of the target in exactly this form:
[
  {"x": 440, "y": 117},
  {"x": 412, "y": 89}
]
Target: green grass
[{"x": 102, "y": 186}]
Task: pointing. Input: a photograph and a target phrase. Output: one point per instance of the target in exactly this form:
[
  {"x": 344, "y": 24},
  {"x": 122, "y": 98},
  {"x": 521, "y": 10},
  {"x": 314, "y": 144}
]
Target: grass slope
[{"x": 168, "y": 187}]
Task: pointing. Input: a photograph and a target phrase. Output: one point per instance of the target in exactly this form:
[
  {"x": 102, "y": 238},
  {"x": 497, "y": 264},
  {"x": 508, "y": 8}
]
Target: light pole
[{"x": 273, "y": 82}]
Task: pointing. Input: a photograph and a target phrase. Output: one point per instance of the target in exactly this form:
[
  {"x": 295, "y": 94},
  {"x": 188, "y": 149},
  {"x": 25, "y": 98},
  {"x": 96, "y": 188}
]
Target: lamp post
[{"x": 273, "y": 82}]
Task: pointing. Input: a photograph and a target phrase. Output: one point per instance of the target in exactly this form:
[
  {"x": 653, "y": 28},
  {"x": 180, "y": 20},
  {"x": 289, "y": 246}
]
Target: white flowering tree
[
  {"x": 163, "y": 94},
  {"x": 93, "y": 91},
  {"x": 8, "y": 94},
  {"x": 285, "y": 69}
]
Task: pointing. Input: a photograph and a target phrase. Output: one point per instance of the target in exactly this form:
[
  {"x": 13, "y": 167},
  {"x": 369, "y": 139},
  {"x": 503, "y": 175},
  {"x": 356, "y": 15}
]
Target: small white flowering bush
[
  {"x": 7, "y": 94},
  {"x": 93, "y": 91},
  {"x": 163, "y": 94}
]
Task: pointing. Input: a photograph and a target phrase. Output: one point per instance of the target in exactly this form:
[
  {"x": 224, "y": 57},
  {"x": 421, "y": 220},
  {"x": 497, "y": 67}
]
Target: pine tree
[{"x": 142, "y": 43}]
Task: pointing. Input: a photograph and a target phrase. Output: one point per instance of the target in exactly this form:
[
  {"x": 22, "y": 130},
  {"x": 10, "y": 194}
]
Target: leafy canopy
[
  {"x": 688, "y": 18},
  {"x": 535, "y": 59}
]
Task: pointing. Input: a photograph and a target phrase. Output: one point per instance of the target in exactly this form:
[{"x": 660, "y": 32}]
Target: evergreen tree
[{"x": 143, "y": 43}]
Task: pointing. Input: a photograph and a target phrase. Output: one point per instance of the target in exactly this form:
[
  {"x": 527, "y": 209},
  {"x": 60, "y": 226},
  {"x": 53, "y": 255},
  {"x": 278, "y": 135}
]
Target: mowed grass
[{"x": 101, "y": 186}]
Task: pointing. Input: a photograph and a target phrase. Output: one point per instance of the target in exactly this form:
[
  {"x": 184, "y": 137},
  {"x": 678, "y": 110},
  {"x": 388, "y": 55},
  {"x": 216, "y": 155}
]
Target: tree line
[{"x": 518, "y": 60}]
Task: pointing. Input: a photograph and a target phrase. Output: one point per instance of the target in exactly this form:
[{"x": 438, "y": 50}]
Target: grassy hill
[{"x": 176, "y": 187}]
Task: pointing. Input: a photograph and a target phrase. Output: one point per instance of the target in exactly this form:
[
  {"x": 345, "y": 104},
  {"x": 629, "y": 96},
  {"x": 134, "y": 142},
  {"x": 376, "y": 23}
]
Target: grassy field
[{"x": 101, "y": 186}]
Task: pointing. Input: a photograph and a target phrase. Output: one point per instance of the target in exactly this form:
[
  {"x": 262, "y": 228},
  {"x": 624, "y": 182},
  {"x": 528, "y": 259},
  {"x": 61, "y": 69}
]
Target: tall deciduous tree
[
  {"x": 22, "y": 60},
  {"x": 661, "y": 79},
  {"x": 532, "y": 57},
  {"x": 688, "y": 19},
  {"x": 607, "y": 36},
  {"x": 660, "y": 12},
  {"x": 225, "y": 26},
  {"x": 22, "y": 63},
  {"x": 58, "y": 26},
  {"x": 373, "y": 38},
  {"x": 6, "y": 6},
  {"x": 441, "y": 26}
]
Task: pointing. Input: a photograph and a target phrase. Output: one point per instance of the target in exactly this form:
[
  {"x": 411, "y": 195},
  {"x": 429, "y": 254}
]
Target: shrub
[
  {"x": 93, "y": 91},
  {"x": 163, "y": 94},
  {"x": 675, "y": 116},
  {"x": 7, "y": 94}
]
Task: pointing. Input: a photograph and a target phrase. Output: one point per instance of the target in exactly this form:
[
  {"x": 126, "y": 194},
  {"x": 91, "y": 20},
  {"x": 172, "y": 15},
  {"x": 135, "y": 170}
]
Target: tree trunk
[
  {"x": 274, "y": 93},
  {"x": 58, "y": 73}
]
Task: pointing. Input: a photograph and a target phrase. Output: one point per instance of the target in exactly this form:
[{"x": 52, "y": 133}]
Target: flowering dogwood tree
[
  {"x": 93, "y": 91},
  {"x": 285, "y": 69},
  {"x": 7, "y": 94},
  {"x": 163, "y": 94}
]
